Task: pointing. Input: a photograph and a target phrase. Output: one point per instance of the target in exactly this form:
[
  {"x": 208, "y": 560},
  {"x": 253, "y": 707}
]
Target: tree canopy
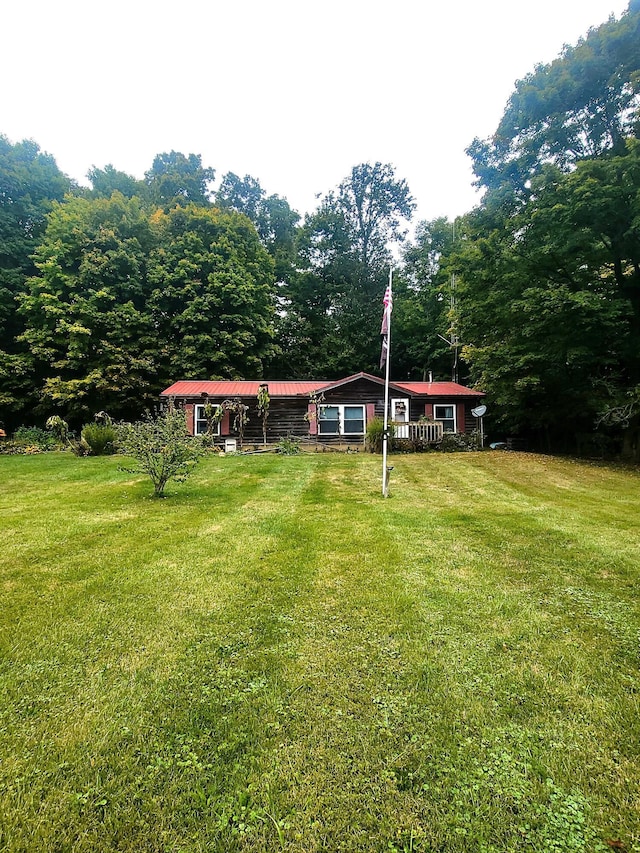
[
  {"x": 550, "y": 261},
  {"x": 331, "y": 312},
  {"x": 125, "y": 300},
  {"x": 176, "y": 179},
  {"x": 30, "y": 182},
  {"x": 583, "y": 104}
]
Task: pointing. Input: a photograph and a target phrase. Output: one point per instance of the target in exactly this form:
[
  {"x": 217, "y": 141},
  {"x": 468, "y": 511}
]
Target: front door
[{"x": 400, "y": 415}]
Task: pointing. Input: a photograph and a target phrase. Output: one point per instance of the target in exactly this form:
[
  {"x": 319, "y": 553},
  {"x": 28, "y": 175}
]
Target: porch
[{"x": 419, "y": 432}]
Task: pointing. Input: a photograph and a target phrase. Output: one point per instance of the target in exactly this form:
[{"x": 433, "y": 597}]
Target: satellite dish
[{"x": 479, "y": 411}]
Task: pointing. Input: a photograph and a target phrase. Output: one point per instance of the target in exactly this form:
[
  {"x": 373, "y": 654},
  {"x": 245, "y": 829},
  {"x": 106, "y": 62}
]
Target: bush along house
[{"x": 324, "y": 412}]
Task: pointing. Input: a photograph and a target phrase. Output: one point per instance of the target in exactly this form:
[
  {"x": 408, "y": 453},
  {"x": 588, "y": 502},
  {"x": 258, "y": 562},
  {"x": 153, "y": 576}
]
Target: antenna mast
[{"x": 453, "y": 340}]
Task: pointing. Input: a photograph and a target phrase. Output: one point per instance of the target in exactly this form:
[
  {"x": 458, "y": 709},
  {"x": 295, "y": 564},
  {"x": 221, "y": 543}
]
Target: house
[{"x": 330, "y": 412}]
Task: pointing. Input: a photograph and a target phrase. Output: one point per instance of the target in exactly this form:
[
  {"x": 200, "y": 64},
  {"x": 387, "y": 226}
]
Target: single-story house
[{"x": 329, "y": 411}]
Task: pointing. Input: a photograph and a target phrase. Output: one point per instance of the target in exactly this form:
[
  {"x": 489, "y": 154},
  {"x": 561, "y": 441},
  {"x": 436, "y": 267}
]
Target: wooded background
[{"x": 110, "y": 293}]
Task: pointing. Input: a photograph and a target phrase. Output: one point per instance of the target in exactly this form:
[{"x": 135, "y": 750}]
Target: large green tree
[
  {"x": 245, "y": 195},
  {"x": 109, "y": 179},
  {"x": 273, "y": 217},
  {"x": 540, "y": 323},
  {"x": 549, "y": 294},
  {"x": 86, "y": 320},
  {"x": 583, "y": 104},
  {"x": 212, "y": 295},
  {"x": 344, "y": 251},
  {"x": 127, "y": 301},
  {"x": 424, "y": 305},
  {"x": 29, "y": 183}
]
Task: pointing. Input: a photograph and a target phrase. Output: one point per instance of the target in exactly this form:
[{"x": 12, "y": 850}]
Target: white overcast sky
[{"x": 292, "y": 92}]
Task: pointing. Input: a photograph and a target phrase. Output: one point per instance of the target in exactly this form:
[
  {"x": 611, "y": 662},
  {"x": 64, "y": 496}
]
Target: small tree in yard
[
  {"x": 240, "y": 417},
  {"x": 313, "y": 413},
  {"x": 263, "y": 408},
  {"x": 161, "y": 446},
  {"x": 212, "y": 415}
]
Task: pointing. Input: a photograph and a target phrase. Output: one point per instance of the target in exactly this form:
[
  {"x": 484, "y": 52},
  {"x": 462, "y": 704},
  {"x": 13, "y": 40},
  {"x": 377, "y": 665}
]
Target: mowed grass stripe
[{"x": 275, "y": 657}]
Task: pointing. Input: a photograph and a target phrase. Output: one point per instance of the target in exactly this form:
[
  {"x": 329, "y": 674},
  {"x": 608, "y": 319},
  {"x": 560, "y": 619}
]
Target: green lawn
[{"x": 274, "y": 657}]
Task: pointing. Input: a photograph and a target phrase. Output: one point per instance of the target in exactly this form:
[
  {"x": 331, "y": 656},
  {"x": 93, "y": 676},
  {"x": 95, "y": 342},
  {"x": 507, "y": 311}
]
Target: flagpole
[{"x": 385, "y": 434}]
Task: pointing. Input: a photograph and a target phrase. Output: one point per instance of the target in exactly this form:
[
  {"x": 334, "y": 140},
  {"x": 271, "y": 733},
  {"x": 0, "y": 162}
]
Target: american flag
[
  {"x": 384, "y": 331},
  {"x": 388, "y": 299}
]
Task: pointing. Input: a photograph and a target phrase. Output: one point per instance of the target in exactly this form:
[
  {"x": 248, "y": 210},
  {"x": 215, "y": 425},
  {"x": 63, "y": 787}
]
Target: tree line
[{"x": 110, "y": 293}]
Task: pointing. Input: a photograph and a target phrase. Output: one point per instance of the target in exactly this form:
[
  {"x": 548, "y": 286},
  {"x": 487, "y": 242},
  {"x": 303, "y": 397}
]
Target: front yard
[{"x": 276, "y": 658}]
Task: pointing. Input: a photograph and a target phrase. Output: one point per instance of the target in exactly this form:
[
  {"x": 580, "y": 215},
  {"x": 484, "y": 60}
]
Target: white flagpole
[{"x": 385, "y": 434}]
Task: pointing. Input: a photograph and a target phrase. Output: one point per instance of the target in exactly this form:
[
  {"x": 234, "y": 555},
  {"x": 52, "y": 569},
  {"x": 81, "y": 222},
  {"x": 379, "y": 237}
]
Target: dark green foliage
[
  {"x": 245, "y": 195},
  {"x": 109, "y": 180},
  {"x": 333, "y": 306},
  {"x": 584, "y": 104},
  {"x": 424, "y": 299},
  {"x": 29, "y": 182},
  {"x": 88, "y": 327},
  {"x": 127, "y": 300},
  {"x": 34, "y": 437},
  {"x": 211, "y": 300},
  {"x": 548, "y": 298},
  {"x": 275, "y": 221},
  {"x": 176, "y": 179}
]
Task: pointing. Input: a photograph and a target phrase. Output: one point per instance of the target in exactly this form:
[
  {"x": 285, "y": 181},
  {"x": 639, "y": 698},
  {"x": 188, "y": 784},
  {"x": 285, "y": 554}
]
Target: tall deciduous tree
[
  {"x": 345, "y": 251},
  {"x": 424, "y": 302},
  {"x": 583, "y": 104},
  {"x": 245, "y": 195},
  {"x": 212, "y": 294},
  {"x": 29, "y": 183},
  {"x": 109, "y": 179},
  {"x": 550, "y": 276},
  {"x": 540, "y": 327},
  {"x": 86, "y": 320},
  {"x": 376, "y": 207},
  {"x": 272, "y": 216},
  {"x": 126, "y": 302}
]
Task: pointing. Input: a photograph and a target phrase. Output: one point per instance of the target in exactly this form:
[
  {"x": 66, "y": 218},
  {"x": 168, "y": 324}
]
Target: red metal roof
[
  {"x": 240, "y": 388},
  {"x": 439, "y": 389},
  {"x": 249, "y": 388}
]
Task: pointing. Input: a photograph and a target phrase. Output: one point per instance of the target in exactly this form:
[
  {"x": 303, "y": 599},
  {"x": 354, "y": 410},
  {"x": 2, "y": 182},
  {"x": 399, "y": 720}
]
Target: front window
[
  {"x": 353, "y": 423},
  {"x": 447, "y": 414},
  {"x": 341, "y": 420},
  {"x": 329, "y": 420},
  {"x": 200, "y": 421}
]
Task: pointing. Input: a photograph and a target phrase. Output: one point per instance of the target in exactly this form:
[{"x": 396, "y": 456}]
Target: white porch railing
[{"x": 429, "y": 432}]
